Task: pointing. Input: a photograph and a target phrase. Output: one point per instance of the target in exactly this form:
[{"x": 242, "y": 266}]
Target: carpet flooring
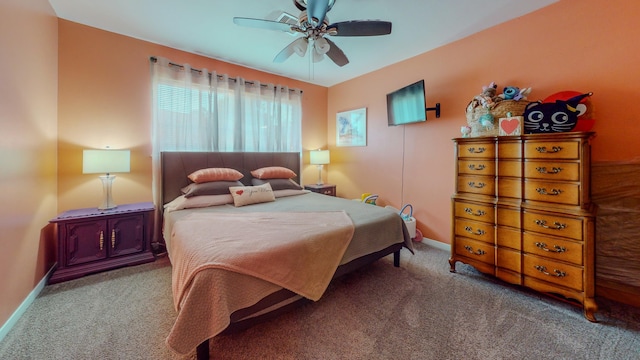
[{"x": 417, "y": 311}]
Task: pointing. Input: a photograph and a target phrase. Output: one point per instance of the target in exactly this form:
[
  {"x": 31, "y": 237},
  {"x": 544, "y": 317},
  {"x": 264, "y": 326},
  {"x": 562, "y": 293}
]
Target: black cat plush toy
[{"x": 559, "y": 116}]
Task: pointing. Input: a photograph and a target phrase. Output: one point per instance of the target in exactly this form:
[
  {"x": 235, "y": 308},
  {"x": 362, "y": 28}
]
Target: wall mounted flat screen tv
[{"x": 407, "y": 105}]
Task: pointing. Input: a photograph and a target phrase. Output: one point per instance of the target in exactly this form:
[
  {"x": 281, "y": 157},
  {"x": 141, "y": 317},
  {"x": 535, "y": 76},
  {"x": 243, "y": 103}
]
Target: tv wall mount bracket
[{"x": 436, "y": 109}]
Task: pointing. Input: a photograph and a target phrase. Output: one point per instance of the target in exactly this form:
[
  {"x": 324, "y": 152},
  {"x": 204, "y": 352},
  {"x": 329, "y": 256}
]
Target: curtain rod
[{"x": 155, "y": 59}]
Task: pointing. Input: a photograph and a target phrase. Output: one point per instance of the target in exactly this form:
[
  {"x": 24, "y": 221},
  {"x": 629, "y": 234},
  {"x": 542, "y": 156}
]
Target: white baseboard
[
  {"x": 437, "y": 244},
  {"x": 13, "y": 319}
]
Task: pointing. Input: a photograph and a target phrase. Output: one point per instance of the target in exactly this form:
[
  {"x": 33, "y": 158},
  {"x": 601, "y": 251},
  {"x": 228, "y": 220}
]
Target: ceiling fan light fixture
[
  {"x": 321, "y": 45},
  {"x": 316, "y": 56},
  {"x": 300, "y": 46},
  {"x": 313, "y": 25}
]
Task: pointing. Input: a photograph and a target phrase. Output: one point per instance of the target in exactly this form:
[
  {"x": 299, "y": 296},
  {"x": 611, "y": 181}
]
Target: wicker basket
[{"x": 498, "y": 110}]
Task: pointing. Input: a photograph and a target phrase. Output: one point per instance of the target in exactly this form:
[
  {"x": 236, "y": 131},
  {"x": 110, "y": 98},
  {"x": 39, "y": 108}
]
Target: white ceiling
[{"x": 206, "y": 27}]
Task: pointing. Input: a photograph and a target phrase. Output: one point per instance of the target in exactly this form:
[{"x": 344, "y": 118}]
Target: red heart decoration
[
  {"x": 239, "y": 192},
  {"x": 509, "y": 126}
]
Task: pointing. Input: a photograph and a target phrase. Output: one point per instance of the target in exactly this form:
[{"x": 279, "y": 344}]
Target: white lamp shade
[
  {"x": 319, "y": 157},
  {"x": 105, "y": 161},
  {"x": 321, "y": 45},
  {"x": 300, "y": 46}
]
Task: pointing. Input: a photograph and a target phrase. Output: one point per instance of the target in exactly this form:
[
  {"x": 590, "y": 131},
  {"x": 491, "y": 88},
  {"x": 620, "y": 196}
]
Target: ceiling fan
[{"x": 314, "y": 25}]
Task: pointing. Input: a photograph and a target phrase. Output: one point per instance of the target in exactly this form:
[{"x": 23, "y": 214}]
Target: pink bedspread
[{"x": 299, "y": 251}]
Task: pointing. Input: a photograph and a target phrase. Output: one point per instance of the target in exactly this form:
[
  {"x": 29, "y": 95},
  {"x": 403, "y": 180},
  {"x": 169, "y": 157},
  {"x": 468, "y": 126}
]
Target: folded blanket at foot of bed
[{"x": 249, "y": 257}]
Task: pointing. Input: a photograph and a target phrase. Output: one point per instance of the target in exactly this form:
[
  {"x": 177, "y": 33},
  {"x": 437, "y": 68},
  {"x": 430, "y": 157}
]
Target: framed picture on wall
[{"x": 351, "y": 128}]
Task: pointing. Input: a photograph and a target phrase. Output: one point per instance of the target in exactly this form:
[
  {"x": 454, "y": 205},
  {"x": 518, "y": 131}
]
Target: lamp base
[
  {"x": 319, "y": 175},
  {"x": 107, "y": 200}
]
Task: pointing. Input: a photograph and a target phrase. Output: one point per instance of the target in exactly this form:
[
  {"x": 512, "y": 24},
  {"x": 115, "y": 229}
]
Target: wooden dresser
[{"x": 522, "y": 212}]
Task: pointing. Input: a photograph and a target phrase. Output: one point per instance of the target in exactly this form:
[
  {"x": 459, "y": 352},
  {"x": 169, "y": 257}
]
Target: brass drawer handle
[
  {"x": 556, "y": 225},
  {"x": 101, "y": 240},
  {"x": 556, "y": 272},
  {"x": 477, "y": 213},
  {"x": 554, "y": 149},
  {"x": 469, "y": 229},
  {"x": 478, "y": 151},
  {"x": 113, "y": 238},
  {"x": 478, "y": 168},
  {"x": 556, "y": 248},
  {"x": 554, "y": 170},
  {"x": 553, "y": 192},
  {"x": 480, "y": 252},
  {"x": 479, "y": 186}
]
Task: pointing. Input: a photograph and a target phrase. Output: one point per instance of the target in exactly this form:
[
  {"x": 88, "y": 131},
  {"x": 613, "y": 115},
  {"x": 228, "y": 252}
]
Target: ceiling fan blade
[
  {"x": 336, "y": 55},
  {"x": 262, "y": 24},
  {"x": 317, "y": 10},
  {"x": 360, "y": 28},
  {"x": 298, "y": 46}
]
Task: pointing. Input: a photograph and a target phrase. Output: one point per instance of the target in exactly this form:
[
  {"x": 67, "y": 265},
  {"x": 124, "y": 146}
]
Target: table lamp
[
  {"x": 106, "y": 162},
  {"x": 319, "y": 158}
]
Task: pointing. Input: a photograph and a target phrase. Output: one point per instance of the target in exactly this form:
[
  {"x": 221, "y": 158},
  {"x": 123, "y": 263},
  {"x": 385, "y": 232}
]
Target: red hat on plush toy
[{"x": 586, "y": 119}]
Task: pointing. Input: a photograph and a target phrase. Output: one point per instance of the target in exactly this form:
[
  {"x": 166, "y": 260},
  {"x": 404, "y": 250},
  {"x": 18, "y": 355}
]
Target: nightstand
[
  {"x": 92, "y": 240},
  {"x": 326, "y": 189}
]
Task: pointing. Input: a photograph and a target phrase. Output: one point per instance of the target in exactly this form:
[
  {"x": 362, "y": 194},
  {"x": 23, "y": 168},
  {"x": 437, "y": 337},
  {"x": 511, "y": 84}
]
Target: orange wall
[
  {"x": 28, "y": 101},
  {"x": 105, "y": 100},
  {"x": 589, "y": 45}
]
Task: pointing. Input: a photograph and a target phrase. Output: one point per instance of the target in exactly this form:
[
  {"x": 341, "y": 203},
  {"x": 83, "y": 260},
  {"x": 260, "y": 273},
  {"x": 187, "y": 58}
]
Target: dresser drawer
[
  {"x": 552, "y": 150},
  {"x": 511, "y": 188},
  {"x": 565, "y": 171},
  {"x": 510, "y": 168},
  {"x": 553, "y": 271},
  {"x": 483, "y": 185},
  {"x": 509, "y": 217},
  {"x": 475, "y": 230},
  {"x": 479, "y": 212},
  {"x": 477, "y": 167},
  {"x": 553, "y": 248},
  {"x": 509, "y": 259},
  {"x": 553, "y": 225},
  {"x": 552, "y": 192},
  {"x": 510, "y": 150},
  {"x": 508, "y": 237},
  {"x": 475, "y": 250},
  {"x": 477, "y": 150}
]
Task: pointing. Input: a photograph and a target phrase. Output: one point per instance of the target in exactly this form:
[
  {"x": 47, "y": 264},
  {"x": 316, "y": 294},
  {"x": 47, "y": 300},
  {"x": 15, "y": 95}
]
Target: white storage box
[
  {"x": 411, "y": 226},
  {"x": 410, "y": 223}
]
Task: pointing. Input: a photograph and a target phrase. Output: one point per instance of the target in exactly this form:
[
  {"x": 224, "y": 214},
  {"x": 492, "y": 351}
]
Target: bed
[{"x": 219, "y": 289}]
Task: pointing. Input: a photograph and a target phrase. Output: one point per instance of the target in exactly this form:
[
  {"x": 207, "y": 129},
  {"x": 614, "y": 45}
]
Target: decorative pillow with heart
[{"x": 246, "y": 195}]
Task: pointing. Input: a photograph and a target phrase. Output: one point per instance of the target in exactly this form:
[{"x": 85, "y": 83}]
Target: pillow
[
  {"x": 246, "y": 195},
  {"x": 273, "y": 172},
  {"x": 182, "y": 202},
  {"x": 215, "y": 174},
  {"x": 209, "y": 188},
  {"x": 278, "y": 184}
]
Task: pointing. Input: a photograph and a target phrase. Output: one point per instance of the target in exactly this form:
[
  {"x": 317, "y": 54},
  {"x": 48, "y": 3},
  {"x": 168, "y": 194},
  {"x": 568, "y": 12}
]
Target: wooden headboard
[{"x": 176, "y": 166}]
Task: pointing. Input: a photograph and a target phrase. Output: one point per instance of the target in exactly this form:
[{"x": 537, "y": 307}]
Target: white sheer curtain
[{"x": 199, "y": 110}]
